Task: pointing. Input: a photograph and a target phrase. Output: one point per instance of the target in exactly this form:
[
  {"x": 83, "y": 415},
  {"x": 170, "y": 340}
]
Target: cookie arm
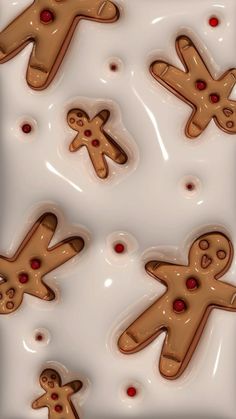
[
  {"x": 145, "y": 329},
  {"x": 224, "y": 295},
  {"x": 16, "y": 35},
  {"x": 171, "y": 77},
  {"x": 40, "y": 290},
  {"x": 228, "y": 81},
  {"x": 113, "y": 151},
  {"x": 73, "y": 387},
  {"x": 163, "y": 272},
  {"x": 76, "y": 144},
  {"x": 191, "y": 57},
  {"x": 197, "y": 123},
  {"x": 101, "y": 10},
  {"x": 40, "y": 402}
]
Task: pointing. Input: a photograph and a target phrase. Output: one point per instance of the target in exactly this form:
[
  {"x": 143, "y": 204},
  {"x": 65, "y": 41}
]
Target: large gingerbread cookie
[
  {"x": 192, "y": 292},
  {"x": 24, "y": 272},
  {"x": 208, "y": 97},
  {"x": 57, "y": 397},
  {"x": 50, "y": 25}
]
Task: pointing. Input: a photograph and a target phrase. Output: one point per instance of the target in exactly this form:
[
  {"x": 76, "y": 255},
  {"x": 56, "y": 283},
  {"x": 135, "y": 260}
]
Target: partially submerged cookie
[
  {"x": 24, "y": 272},
  {"x": 208, "y": 97},
  {"x": 50, "y": 25},
  {"x": 91, "y": 134},
  {"x": 192, "y": 292},
  {"x": 57, "y": 397}
]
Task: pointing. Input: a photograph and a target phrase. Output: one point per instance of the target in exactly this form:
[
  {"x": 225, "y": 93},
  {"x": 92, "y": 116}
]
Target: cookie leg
[
  {"x": 197, "y": 123},
  {"x": 228, "y": 81},
  {"x": 99, "y": 163},
  {"x": 143, "y": 330},
  {"x": 191, "y": 58},
  {"x": 40, "y": 290},
  {"x": 46, "y": 56},
  {"x": 112, "y": 150},
  {"x": 76, "y": 144},
  {"x": 171, "y": 77},
  {"x": 15, "y": 36}
]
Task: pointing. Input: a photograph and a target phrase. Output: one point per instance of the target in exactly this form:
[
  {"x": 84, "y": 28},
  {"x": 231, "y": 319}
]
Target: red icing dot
[
  {"x": 214, "y": 21},
  {"x": 96, "y": 143},
  {"x": 23, "y": 278},
  {"x": 119, "y": 248},
  {"x": 39, "y": 337},
  {"x": 35, "y": 264},
  {"x": 131, "y": 391},
  {"x": 26, "y": 128},
  {"x": 214, "y": 98},
  {"x": 54, "y": 396},
  {"x": 88, "y": 133},
  {"x": 190, "y": 187},
  {"x": 179, "y": 306},
  {"x": 46, "y": 16},
  {"x": 201, "y": 85},
  {"x": 191, "y": 283},
  {"x": 58, "y": 408}
]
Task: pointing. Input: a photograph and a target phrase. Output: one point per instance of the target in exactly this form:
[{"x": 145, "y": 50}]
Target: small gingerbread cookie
[
  {"x": 50, "y": 25},
  {"x": 97, "y": 141},
  {"x": 192, "y": 292},
  {"x": 208, "y": 97},
  {"x": 57, "y": 397},
  {"x": 23, "y": 272}
]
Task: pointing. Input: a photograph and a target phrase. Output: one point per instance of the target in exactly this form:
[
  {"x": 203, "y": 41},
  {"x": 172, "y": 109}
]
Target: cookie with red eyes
[
  {"x": 183, "y": 310},
  {"x": 50, "y": 25},
  {"x": 57, "y": 397},
  {"x": 92, "y": 135},
  {"x": 24, "y": 272},
  {"x": 208, "y": 97}
]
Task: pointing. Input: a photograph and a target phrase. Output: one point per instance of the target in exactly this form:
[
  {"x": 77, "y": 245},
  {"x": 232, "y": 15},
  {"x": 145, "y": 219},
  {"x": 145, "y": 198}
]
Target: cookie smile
[{"x": 206, "y": 261}]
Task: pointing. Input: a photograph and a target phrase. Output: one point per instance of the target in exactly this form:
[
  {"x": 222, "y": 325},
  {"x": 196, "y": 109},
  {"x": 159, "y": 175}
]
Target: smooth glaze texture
[{"x": 100, "y": 293}]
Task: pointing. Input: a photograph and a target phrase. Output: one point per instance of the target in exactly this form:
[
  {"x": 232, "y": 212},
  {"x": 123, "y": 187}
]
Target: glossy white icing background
[{"x": 100, "y": 293}]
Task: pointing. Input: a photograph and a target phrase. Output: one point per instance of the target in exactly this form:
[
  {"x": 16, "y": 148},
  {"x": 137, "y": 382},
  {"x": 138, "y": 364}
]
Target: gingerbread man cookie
[
  {"x": 23, "y": 272},
  {"x": 50, "y": 25},
  {"x": 192, "y": 292},
  {"x": 208, "y": 97},
  {"x": 97, "y": 141},
  {"x": 57, "y": 397}
]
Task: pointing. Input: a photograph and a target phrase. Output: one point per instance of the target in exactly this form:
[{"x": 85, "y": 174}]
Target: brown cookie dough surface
[
  {"x": 208, "y": 97},
  {"x": 192, "y": 292},
  {"x": 24, "y": 272},
  {"x": 98, "y": 142},
  {"x": 50, "y": 25},
  {"x": 57, "y": 397}
]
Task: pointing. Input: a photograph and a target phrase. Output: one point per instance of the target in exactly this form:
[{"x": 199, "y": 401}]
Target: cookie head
[
  {"x": 212, "y": 254},
  {"x": 77, "y": 119},
  {"x": 49, "y": 379}
]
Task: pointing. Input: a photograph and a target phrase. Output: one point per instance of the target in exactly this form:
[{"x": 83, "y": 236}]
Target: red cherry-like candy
[
  {"x": 131, "y": 391},
  {"x": 35, "y": 264},
  {"x": 179, "y": 306},
  {"x": 46, "y": 16},
  {"x": 119, "y": 248},
  {"x": 58, "y": 408},
  {"x": 23, "y": 278},
  {"x": 214, "y": 98},
  {"x": 201, "y": 85},
  {"x": 26, "y": 128},
  {"x": 214, "y": 21},
  {"x": 88, "y": 133},
  {"x": 191, "y": 283},
  {"x": 95, "y": 143},
  {"x": 54, "y": 396}
]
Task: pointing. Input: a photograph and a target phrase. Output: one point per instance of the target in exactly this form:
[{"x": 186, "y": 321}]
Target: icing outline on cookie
[
  {"x": 50, "y": 25},
  {"x": 183, "y": 310},
  {"x": 209, "y": 98}
]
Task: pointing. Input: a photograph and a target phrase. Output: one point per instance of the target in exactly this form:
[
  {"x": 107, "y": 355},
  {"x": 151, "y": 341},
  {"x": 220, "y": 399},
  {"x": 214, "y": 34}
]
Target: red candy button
[
  {"x": 214, "y": 98},
  {"x": 54, "y": 396},
  {"x": 119, "y": 248},
  {"x": 26, "y": 128},
  {"x": 58, "y": 408},
  {"x": 201, "y": 85},
  {"x": 179, "y": 306},
  {"x": 131, "y": 391},
  {"x": 191, "y": 283},
  {"x": 35, "y": 264},
  {"x": 88, "y": 133},
  {"x": 46, "y": 16},
  {"x": 95, "y": 143},
  {"x": 214, "y": 21},
  {"x": 23, "y": 278}
]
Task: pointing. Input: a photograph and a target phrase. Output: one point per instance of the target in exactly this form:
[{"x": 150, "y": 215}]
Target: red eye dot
[
  {"x": 191, "y": 283},
  {"x": 23, "y": 278},
  {"x": 201, "y": 85},
  {"x": 119, "y": 248},
  {"x": 26, "y": 128},
  {"x": 131, "y": 391},
  {"x": 214, "y": 98},
  {"x": 179, "y": 306},
  {"x": 54, "y": 396},
  {"x": 58, "y": 408},
  {"x": 35, "y": 264},
  {"x": 214, "y": 21},
  {"x": 46, "y": 16},
  {"x": 88, "y": 133},
  {"x": 96, "y": 143}
]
